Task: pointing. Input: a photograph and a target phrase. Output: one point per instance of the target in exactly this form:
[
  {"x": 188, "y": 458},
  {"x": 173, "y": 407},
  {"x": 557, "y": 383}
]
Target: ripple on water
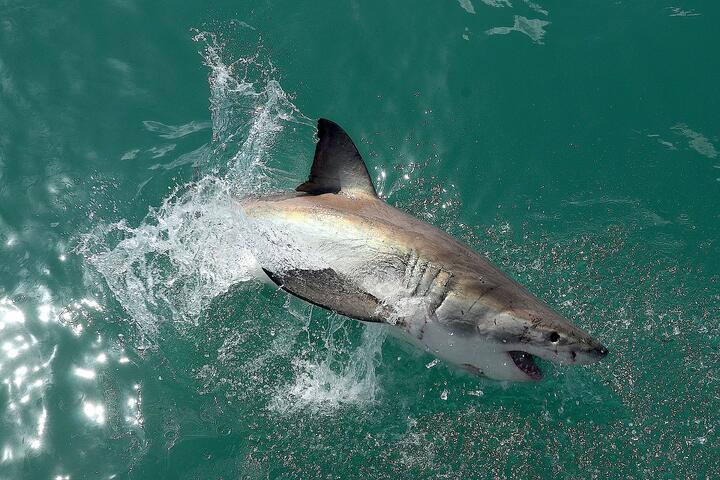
[
  {"x": 697, "y": 141},
  {"x": 533, "y": 28}
]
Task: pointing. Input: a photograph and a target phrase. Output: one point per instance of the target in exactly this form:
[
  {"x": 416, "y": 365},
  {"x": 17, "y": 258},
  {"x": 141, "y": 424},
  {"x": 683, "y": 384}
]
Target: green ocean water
[{"x": 576, "y": 144}]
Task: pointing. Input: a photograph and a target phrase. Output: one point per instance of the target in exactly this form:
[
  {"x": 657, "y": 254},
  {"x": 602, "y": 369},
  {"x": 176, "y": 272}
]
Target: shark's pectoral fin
[
  {"x": 337, "y": 165},
  {"x": 328, "y": 289}
]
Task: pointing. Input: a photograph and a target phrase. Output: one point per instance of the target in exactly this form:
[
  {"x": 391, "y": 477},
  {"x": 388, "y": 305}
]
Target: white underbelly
[{"x": 470, "y": 352}]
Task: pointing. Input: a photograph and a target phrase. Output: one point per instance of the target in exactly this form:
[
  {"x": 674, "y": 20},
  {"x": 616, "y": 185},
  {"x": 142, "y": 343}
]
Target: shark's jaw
[
  {"x": 475, "y": 354},
  {"x": 525, "y": 362},
  {"x": 522, "y": 361}
]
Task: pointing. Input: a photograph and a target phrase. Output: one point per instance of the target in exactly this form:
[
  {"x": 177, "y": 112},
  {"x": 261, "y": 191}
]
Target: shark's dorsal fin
[{"x": 337, "y": 165}]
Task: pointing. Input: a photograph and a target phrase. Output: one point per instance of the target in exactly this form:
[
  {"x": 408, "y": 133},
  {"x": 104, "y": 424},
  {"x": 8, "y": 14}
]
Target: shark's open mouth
[{"x": 526, "y": 363}]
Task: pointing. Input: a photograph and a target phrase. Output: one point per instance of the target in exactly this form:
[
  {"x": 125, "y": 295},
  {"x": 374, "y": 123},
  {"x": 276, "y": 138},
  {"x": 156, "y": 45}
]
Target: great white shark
[{"x": 334, "y": 243}]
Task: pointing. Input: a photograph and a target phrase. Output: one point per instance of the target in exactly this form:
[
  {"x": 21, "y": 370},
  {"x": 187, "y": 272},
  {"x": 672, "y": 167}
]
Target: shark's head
[
  {"x": 523, "y": 334},
  {"x": 500, "y": 337}
]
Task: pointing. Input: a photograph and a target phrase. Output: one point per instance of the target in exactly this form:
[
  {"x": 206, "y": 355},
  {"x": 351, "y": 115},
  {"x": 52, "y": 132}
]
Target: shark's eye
[{"x": 554, "y": 337}]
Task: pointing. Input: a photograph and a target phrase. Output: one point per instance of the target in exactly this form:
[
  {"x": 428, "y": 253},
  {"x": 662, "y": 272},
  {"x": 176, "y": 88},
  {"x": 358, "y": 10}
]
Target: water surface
[{"x": 575, "y": 145}]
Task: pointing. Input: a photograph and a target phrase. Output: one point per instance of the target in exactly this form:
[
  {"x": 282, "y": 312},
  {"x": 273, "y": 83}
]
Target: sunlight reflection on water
[
  {"x": 29, "y": 365},
  {"x": 25, "y": 374}
]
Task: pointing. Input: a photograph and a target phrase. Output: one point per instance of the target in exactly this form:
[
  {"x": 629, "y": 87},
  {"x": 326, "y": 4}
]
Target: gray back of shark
[{"x": 335, "y": 244}]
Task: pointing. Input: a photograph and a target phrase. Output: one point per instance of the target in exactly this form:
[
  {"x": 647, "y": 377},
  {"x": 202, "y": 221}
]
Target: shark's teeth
[{"x": 526, "y": 363}]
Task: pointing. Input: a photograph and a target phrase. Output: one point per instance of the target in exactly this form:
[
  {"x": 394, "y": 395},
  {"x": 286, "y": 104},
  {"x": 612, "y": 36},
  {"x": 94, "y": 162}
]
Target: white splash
[
  {"x": 175, "y": 131},
  {"x": 195, "y": 245},
  {"x": 318, "y": 387},
  {"x": 198, "y": 243}
]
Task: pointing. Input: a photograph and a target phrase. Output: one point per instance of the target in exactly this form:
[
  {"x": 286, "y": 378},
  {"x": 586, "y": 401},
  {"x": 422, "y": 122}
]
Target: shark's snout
[
  {"x": 567, "y": 345},
  {"x": 524, "y": 356},
  {"x": 599, "y": 352},
  {"x": 580, "y": 348}
]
